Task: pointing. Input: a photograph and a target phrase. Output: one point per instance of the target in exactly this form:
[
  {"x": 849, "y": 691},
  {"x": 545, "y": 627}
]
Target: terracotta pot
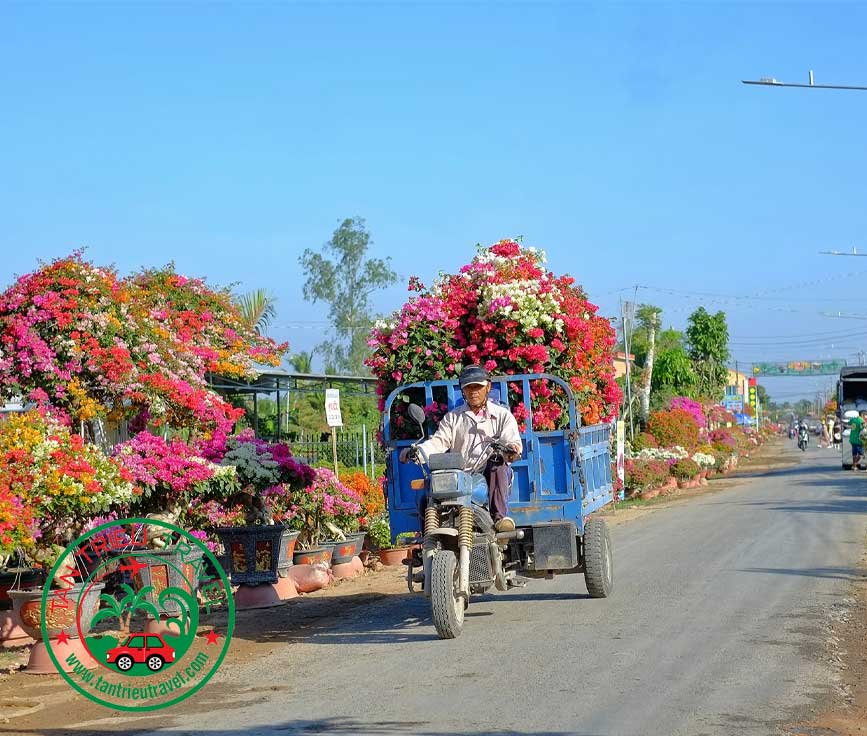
[
  {"x": 350, "y": 569},
  {"x": 394, "y": 556},
  {"x": 312, "y": 556},
  {"x": 11, "y": 633}
]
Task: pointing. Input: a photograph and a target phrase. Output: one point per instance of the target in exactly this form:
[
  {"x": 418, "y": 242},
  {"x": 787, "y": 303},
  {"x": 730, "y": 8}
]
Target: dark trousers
[{"x": 499, "y": 478}]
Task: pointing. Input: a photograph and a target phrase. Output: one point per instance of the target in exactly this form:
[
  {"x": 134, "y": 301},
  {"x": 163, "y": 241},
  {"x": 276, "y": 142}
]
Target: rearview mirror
[{"x": 416, "y": 413}]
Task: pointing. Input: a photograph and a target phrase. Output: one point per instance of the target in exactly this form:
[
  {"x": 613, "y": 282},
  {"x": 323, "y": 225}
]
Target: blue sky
[{"x": 228, "y": 137}]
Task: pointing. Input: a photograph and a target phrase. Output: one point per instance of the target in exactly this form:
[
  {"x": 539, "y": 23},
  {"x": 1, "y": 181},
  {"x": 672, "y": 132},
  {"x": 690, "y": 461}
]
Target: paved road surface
[{"x": 718, "y": 625}]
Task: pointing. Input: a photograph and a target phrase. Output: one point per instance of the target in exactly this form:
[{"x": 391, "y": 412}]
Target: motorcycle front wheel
[{"x": 447, "y": 606}]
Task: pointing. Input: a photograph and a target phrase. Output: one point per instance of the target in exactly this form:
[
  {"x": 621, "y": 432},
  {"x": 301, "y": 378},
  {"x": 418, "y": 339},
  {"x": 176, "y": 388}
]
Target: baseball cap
[{"x": 473, "y": 374}]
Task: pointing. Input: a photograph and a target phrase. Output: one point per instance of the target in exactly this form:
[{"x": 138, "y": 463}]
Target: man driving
[{"x": 469, "y": 429}]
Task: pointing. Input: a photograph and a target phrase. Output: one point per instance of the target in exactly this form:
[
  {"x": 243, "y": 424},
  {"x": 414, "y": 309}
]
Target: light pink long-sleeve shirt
[{"x": 461, "y": 430}]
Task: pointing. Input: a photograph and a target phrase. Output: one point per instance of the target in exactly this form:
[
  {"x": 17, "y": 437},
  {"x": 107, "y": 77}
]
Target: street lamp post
[{"x": 772, "y": 82}]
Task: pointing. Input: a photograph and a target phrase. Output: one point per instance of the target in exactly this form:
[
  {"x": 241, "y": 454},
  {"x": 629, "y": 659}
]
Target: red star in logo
[
  {"x": 212, "y": 637},
  {"x": 133, "y": 567},
  {"x": 62, "y": 638}
]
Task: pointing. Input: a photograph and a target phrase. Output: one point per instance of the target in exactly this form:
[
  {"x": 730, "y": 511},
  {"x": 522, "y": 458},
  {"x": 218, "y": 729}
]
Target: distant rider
[
  {"x": 468, "y": 429},
  {"x": 803, "y": 433},
  {"x": 856, "y": 425}
]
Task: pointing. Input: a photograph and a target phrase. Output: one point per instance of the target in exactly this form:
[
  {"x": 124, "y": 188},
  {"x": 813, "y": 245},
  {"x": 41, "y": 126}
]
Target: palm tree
[
  {"x": 257, "y": 309},
  {"x": 302, "y": 362}
]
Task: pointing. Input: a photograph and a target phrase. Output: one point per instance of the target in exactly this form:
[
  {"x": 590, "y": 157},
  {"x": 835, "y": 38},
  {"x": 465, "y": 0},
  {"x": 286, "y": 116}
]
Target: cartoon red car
[{"x": 149, "y": 649}]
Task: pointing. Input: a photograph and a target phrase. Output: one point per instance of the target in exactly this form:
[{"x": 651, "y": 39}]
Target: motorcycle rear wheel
[{"x": 447, "y": 607}]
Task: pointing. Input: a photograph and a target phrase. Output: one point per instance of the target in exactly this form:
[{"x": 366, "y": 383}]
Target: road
[{"x": 719, "y": 625}]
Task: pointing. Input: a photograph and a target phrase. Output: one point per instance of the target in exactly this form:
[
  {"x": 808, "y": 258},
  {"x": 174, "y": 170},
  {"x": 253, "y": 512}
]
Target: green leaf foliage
[
  {"x": 344, "y": 278},
  {"x": 707, "y": 337}
]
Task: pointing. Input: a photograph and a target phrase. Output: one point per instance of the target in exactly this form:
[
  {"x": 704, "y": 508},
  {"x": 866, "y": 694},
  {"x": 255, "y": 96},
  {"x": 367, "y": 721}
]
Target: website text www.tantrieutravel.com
[{"x": 144, "y": 692}]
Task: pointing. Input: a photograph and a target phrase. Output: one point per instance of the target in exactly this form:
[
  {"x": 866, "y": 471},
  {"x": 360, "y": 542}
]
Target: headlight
[{"x": 444, "y": 482}]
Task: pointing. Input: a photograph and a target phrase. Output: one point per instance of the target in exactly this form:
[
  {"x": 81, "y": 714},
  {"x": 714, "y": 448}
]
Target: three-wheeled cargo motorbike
[{"x": 561, "y": 478}]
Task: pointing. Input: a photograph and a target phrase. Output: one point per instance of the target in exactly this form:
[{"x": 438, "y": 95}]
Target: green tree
[
  {"x": 673, "y": 372},
  {"x": 342, "y": 277},
  {"x": 257, "y": 309},
  {"x": 666, "y": 339},
  {"x": 707, "y": 336}
]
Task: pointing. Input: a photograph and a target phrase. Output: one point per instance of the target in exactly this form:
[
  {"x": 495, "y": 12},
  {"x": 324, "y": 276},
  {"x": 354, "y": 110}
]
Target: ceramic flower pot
[
  {"x": 82, "y": 607},
  {"x": 312, "y": 556},
  {"x": 254, "y": 552},
  {"x": 287, "y": 549},
  {"x": 343, "y": 552},
  {"x": 168, "y": 569}
]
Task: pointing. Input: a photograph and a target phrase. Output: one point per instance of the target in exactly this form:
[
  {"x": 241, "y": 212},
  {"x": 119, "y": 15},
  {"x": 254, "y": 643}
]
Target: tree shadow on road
[
  {"x": 303, "y": 727},
  {"x": 843, "y": 495},
  {"x": 834, "y": 573},
  {"x": 392, "y": 619}
]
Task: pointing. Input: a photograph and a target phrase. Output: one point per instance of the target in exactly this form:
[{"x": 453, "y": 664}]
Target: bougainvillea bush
[
  {"x": 685, "y": 468},
  {"x": 17, "y": 528},
  {"x": 674, "y": 427},
  {"x": 90, "y": 344},
  {"x": 323, "y": 510},
  {"x": 644, "y": 474},
  {"x": 370, "y": 492},
  {"x": 169, "y": 474},
  {"x": 723, "y": 440},
  {"x": 504, "y": 310},
  {"x": 643, "y": 441},
  {"x": 692, "y": 406},
  {"x": 61, "y": 480}
]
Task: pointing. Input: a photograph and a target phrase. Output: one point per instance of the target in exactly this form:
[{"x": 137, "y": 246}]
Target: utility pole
[{"x": 628, "y": 371}]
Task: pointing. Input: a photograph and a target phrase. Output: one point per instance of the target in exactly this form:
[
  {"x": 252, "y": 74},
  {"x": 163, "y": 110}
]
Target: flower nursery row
[
  {"x": 54, "y": 486},
  {"x": 684, "y": 445}
]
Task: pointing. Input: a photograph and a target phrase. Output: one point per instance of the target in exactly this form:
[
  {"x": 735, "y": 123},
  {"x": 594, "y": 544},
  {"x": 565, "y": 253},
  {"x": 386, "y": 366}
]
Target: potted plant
[
  {"x": 17, "y": 529},
  {"x": 61, "y": 482},
  {"x": 390, "y": 553},
  {"x": 324, "y": 512},
  {"x": 686, "y": 472},
  {"x": 252, "y": 523},
  {"x": 372, "y": 502}
]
